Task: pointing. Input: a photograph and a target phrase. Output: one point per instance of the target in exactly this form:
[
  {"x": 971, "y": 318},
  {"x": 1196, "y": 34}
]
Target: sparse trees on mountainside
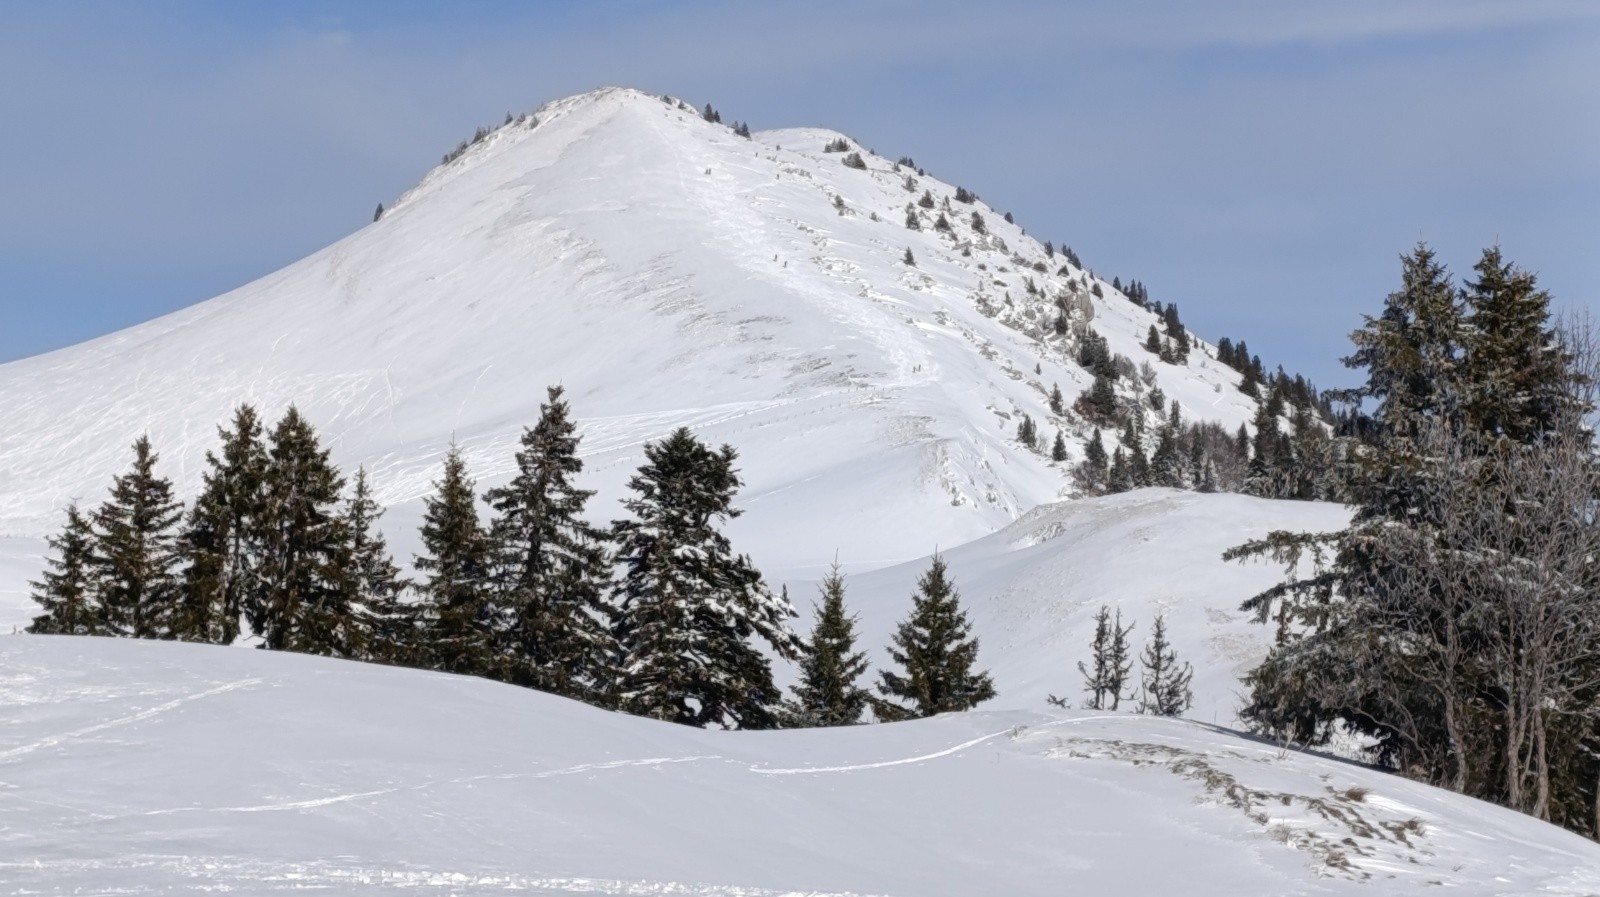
[
  {"x": 936, "y": 654},
  {"x": 1456, "y": 622},
  {"x": 830, "y": 665},
  {"x": 687, "y": 606}
]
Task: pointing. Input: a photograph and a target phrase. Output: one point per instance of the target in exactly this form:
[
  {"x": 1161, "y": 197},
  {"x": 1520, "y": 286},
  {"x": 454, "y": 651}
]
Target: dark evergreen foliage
[
  {"x": 460, "y": 623},
  {"x": 302, "y": 603},
  {"x": 689, "y": 607},
  {"x": 135, "y": 554},
  {"x": 936, "y": 654},
  {"x": 68, "y": 591},
  {"x": 551, "y": 567},
  {"x": 223, "y": 536},
  {"x": 1164, "y": 689},
  {"x": 830, "y": 666}
]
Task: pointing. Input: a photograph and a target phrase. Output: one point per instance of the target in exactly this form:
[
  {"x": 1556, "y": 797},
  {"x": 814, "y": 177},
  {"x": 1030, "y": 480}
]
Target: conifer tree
[
  {"x": 1119, "y": 478},
  {"x": 222, "y": 535},
  {"x": 910, "y": 260},
  {"x": 68, "y": 591},
  {"x": 1058, "y": 449},
  {"x": 688, "y": 606},
  {"x": 136, "y": 550},
  {"x": 302, "y": 604},
  {"x": 1152, "y": 341},
  {"x": 1106, "y": 676},
  {"x": 459, "y": 622},
  {"x": 550, "y": 565},
  {"x": 936, "y": 652},
  {"x": 827, "y": 694},
  {"x": 1057, "y": 400},
  {"x": 1165, "y": 686},
  {"x": 373, "y": 584},
  {"x": 1514, "y": 371},
  {"x": 1027, "y": 433}
]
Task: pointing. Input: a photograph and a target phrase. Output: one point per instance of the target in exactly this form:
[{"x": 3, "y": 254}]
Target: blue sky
[{"x": 1260, "y": 162}]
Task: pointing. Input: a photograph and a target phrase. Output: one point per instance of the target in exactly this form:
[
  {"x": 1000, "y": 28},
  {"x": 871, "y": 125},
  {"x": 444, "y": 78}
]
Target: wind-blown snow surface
[
  {"x": 668, "y": 272},
  {"x": 146, "y": 768}
]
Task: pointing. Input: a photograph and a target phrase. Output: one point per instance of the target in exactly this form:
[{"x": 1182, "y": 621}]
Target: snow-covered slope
[
  {"x": 1032, "y": 589},
  {"x": 151, "y": 768},
  {"x": 668, "y": 272}
]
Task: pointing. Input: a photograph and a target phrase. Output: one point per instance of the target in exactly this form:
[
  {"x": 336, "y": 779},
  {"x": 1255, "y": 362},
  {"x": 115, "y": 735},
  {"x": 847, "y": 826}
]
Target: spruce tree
[
  {"x": 136, "y": 550},
  {"x": 827, "y": 694},
  {"x": 550, "y": 565},
  {"x": 1152, "y": 341},
  {"x": 1514, "y": 371},
  {"x": 909, "y": 259},
  {"x": 459, "y": 622},
  {"x": 1165, "y": 686},
  {"x": 936, "y": 653},
  {"x": 302, "y": 604},
  {"x": 222, "y": 535},
  {"x": 1103, "y": 399},
  {"x": 68, "y": 591},
  {"x": 1058, "y": 449},
  {"x": 688, "y": 605},
  {"x": 373, "y": 584},
  {"x": 1106, "y": 676},
  {"x": 1057, "y": 400}
]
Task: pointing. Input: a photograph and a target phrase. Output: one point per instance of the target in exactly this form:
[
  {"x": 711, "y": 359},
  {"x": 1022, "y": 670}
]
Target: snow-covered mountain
[
  {"x": 161, "y": 768},
  {"x": 668, "y": 272}
]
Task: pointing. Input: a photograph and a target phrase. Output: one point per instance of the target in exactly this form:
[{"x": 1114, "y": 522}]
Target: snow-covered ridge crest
[{"x": 669, "y": 272}]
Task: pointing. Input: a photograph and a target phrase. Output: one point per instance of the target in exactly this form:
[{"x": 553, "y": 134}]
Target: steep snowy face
[{"x": 668, "y": 272}]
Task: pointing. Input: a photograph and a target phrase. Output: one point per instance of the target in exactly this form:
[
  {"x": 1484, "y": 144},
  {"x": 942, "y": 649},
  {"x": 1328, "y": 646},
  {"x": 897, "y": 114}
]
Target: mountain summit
[{"x": 765, "y": 291}]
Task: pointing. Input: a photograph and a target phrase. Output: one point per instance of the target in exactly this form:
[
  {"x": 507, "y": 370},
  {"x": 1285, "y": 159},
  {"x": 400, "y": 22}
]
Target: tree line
[
  {"x": 654, "y": 615},
  {"x": 1455, "y": 624}
]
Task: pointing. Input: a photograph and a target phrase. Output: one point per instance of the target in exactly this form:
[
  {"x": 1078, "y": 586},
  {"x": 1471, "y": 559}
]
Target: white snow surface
[{"x": 157, "y": 768}]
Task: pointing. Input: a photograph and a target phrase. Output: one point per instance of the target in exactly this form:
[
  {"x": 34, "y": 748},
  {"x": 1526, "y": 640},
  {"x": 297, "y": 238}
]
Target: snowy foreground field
[{"x": 148, "y": 768}]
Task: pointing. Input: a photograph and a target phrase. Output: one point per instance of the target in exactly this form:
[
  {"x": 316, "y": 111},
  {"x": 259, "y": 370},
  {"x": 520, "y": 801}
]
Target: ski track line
[
  {"x": 142, "y": 715},
  {"x": 314, "y": 803},
  {"x": 955, "y": 749}
]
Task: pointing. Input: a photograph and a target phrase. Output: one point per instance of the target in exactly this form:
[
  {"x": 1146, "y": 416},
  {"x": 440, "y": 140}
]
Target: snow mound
[{"x": 157, "y": 768}]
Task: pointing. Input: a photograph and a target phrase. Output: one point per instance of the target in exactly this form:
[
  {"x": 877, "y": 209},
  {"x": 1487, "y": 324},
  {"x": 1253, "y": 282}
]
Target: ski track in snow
[
  {"x": 314, "y": 803},
  {"x": 65, "y": 737}
]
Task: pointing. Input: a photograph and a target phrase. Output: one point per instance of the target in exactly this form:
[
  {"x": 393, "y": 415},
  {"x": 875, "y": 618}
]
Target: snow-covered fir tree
[
  {"x": 373, "y": 586},
  {"x": 302, "y": 604},
  {"x": 550, "y": 566},
  {"x": 936, "y": 653},
  {"x": 222, "y": 535},
  {"x": 459, "y": 622},
  {"x": 135, "y": 554},
  {"x": 1164, "y": 686},
  {"x": 688, "y": 606},
  {"x": 830, "y": 665},
  {"x": 68, "y": 591},
  {"x": 1105, "y": 677}
]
